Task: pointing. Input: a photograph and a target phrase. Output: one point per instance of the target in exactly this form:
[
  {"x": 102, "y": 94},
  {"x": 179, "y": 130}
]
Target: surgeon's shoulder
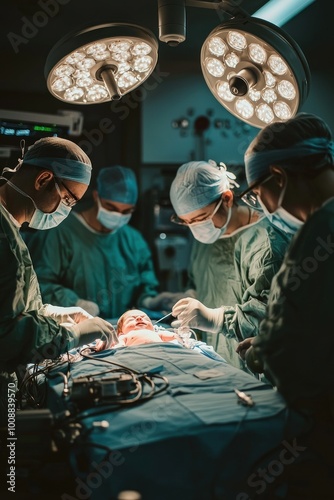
[
  {"x": 69, "y": 224},
  {"x": 264, "y": 240},
  {"x": 64, "y": 230},
  {"x": 318, "y": 231},
  {"x": 131, "y": 234},
  {"x": 265, "y": 230},
  {"x": 323, "y": 217}
]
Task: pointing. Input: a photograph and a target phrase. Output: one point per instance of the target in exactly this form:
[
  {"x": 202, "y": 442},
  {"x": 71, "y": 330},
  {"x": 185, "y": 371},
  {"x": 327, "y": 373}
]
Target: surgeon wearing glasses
[
  {"x": 295, "y": 342},
  {"x": 203, "y": 199},
  {"x": 257, "y": 255},
  {"x": 49, "y": 179},
  {"x": 96, "y": 260}
]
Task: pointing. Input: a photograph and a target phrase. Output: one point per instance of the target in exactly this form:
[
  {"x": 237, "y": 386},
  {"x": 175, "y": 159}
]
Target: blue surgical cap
[
  {"x": 117, "y": 184},
  {"x": 63, "y": 157},
  {"x": 65, "y": 168},
  {"x": 257, "y": 163},
  {"x": 196, "y": 185}
]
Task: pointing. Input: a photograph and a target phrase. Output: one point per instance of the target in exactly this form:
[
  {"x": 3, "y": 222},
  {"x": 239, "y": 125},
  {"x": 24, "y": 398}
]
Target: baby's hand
[
  {"x": 100, "y": 345},
  {"x": 166, "y": 336}
]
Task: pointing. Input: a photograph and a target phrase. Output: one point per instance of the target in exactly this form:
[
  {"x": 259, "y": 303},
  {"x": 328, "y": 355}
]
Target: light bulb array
[
  {"x": 80, "y": 75},
  {"x": 266, "y": 89}
]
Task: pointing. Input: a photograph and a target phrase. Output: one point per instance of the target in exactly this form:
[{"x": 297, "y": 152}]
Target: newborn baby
[{"x": 134, "y": 327}]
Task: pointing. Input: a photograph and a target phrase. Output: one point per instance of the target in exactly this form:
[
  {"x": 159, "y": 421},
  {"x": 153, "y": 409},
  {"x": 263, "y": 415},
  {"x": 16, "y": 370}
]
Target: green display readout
[{"x": 43, "y": 128}]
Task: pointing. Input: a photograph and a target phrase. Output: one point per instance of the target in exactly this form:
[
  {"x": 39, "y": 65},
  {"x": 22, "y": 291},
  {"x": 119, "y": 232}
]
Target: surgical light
[
  {"x": 100, "y": 63},
  {"x": 255, "y": 70},
  {"x": 252, "y": 67}
]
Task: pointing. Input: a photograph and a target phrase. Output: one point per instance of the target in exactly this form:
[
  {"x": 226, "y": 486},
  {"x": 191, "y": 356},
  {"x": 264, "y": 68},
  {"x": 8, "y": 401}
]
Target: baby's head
[{"x": 134, "y": 319}]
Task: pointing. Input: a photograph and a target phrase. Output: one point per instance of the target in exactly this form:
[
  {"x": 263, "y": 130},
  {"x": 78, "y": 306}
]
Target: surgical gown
[
  {"x": 210, "y": 273},
  {"x": 25, "y": 334},
  {"x": 296, "y": 339},
  {"x": 211, "y": 267},
  {"x": 259, "y": 253},
  {"x": 72, "y": 262}
]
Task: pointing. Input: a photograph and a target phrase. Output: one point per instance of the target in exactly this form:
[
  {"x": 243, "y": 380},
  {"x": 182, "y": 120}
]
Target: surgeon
[
  {"x": 95, "y": 260},
  {"x": 211, "y": 214},
  {"x": 47, "y": 182},
  {"x": 202, "y": 188},
  {"x": 295, "y": 343}
]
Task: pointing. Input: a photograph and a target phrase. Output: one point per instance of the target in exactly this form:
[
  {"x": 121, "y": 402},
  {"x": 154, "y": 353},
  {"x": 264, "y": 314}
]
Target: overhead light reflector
[
  {"x": 101, "y": 63},
  {"x": 255, "y": 70}
]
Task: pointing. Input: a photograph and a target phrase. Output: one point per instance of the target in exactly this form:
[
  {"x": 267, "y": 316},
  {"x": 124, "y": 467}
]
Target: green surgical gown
[
  {"x": 211, "y": 267},
  {"x": 296, "y": 338},
  {"x": 26, "y": 336},
  {"x": 211, "y": 272},
  {"x": 72, "y": 262},
  {"x": 259, "y": 252}
]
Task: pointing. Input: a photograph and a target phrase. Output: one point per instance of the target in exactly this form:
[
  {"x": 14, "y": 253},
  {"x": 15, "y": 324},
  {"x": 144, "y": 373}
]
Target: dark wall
[{"x": 110, "y": 135}]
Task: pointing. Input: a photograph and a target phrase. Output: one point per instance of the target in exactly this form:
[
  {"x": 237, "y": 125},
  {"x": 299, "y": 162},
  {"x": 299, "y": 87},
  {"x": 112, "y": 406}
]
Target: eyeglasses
[
  {"x": 174, "y": 218},
  {"x": 69, "y": 201},
  {"x": 250, "y": 198}
]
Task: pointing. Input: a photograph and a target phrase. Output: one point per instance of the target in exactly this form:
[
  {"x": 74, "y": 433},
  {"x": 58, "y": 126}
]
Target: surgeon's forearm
[{"x": 58, "y": 295}]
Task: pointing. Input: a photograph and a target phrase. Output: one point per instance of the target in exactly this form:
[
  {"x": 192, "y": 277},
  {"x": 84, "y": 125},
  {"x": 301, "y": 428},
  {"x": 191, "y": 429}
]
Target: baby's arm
[{"x": 167, "y": 336}]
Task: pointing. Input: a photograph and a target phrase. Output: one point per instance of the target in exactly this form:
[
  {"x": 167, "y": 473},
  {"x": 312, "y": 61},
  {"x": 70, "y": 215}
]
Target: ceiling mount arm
[{"x": 227, "y": 6}]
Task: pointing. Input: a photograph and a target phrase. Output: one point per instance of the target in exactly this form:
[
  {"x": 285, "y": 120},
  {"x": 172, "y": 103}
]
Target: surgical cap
[
  {"x": 63, "y": 157},
  {"x": 117, "y": 184},
  {"x": 257, "y": 163},
  {"x": 196, "y": 185}
]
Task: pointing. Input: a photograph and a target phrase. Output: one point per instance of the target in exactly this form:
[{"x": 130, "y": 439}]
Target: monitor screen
[{"x": 12, "y": 131}]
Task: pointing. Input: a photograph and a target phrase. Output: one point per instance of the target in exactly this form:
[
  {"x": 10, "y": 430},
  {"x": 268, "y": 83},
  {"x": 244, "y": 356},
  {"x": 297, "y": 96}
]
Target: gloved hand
[
  {"x": 191, "y": 312},
  {"x": 95, "y": 327},
  {"x": 164, "y": 301},
  {"x": 89, "y": 306},
  {"x": 65, "y": 314},
  {"x": 253, "y": 361},
  {"x": 243, "y": 346}
]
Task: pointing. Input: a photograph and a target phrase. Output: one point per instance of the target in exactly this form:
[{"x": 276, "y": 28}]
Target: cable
[
  {"x": 33, "y": 393},
  {"x": 116, "y": 405},
  {"x": 74, "y": 454},
  {"x": 107, "y": 361},
  {"x": 103, "y": 396}
]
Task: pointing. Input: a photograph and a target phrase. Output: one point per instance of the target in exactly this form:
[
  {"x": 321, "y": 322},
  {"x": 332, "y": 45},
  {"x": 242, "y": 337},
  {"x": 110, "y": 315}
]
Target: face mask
[
  {"x": 111, "y": 220},
  {"x": 206, "y": 232},
  {"x": 281, "y": 218},
  {"x": 42, "y": 220}
]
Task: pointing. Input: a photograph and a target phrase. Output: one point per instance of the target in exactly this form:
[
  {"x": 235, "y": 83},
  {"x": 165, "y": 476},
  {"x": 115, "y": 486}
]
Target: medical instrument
[
  {"x": 164, "y": 317},
  {"x": 184, "y": 332},
  {"x": 244, "y": 399}
]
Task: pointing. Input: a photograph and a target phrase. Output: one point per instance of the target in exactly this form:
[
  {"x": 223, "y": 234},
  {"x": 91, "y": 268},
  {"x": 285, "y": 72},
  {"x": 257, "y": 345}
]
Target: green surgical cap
[
  {"x": 117, "y": 184},
  {"x": 197, "y": 184}
]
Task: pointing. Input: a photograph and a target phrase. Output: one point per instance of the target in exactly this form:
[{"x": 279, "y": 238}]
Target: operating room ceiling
[{"x": 24, "y": 46}]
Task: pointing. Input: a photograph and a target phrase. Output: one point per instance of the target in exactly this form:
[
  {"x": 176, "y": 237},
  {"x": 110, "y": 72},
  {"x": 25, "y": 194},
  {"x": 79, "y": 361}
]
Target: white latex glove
[
  {"x": 191, "y": 312},
  {"x": 164, "y": 301},
  {"x": 65, "y": 314},
  {"x": 89, "y": 306},
  {"x": 95, "y": 327}
]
